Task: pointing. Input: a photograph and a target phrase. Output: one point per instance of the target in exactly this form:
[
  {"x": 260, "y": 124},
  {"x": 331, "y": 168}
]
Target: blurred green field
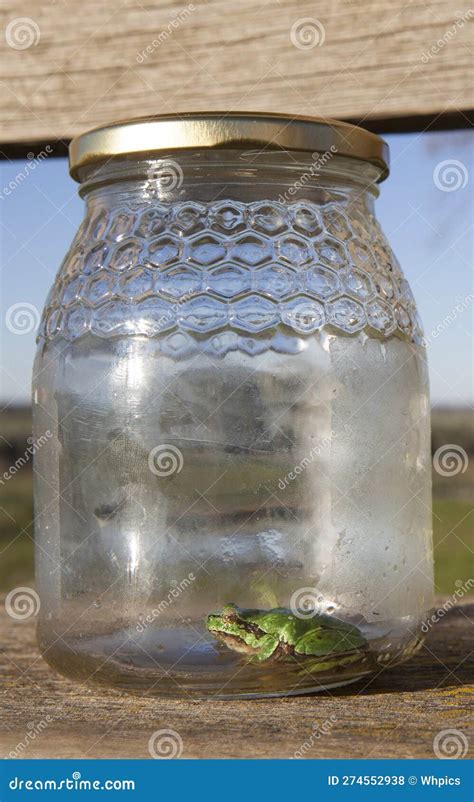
[{"x": 453, "y": 502}]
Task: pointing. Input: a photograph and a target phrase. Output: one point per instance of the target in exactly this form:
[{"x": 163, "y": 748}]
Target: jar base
[
  {"x": 279, "y": 694},
  {"x": 196, "y": 689},
  {"x": 208, "y": 673}
]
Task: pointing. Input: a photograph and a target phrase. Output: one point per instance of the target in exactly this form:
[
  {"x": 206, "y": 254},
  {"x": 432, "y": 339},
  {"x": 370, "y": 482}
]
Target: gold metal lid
[{"x": 147, "y": 137}]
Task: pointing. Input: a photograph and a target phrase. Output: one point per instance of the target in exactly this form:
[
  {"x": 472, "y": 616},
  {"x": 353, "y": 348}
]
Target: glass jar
[{"x": 236, "y": 496}]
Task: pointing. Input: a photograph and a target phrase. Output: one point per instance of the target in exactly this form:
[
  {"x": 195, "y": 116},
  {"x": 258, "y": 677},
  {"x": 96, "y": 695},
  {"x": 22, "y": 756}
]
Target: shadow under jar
[{"x": 235, "y": 499}]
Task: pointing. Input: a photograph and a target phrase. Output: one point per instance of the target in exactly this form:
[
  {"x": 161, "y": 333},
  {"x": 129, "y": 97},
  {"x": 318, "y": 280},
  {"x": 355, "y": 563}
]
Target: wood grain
[
  {"x": 90, "y": 64},
  {"x": 396, "y": 715}
]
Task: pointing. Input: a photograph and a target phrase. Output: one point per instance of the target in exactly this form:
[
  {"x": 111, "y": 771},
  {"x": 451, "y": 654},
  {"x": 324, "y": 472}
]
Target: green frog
[{"x": 323, "y": 641}]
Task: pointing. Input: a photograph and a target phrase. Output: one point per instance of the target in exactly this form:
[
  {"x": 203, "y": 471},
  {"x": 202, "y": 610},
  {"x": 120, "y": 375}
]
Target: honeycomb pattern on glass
[{"x": 230, "y": 276}]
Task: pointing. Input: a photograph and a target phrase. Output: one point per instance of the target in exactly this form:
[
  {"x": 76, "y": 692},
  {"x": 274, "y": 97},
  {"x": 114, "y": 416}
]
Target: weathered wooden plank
[
  {"x": 397, "y": 714},
  {"x": 87, "y": 63}
]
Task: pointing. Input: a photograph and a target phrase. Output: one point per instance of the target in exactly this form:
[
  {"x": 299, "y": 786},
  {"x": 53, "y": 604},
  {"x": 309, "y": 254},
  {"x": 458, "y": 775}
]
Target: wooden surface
[
  {"x": 373, "y": 60},
  {"x": 397, "y": 714}
]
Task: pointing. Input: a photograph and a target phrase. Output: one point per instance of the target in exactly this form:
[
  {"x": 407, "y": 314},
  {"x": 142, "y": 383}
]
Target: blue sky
[{"x": 431, "y": 231}]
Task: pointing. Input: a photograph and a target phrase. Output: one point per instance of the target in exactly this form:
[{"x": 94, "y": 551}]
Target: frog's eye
[{"x": 229, "y": 611}]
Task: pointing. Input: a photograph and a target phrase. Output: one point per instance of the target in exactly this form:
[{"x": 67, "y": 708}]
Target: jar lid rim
[{"x": 151, "y": 135}]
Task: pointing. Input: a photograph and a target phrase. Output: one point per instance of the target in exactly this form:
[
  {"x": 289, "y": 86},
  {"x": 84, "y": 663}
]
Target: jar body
[{"x": 239, "y": 407}]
